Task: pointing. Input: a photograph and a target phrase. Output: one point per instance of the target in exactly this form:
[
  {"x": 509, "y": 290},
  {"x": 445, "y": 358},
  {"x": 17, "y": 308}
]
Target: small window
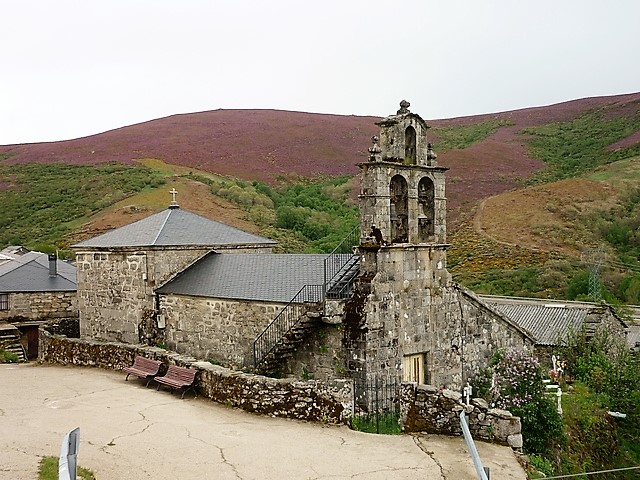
[
  {"x": 4, "y": 301},
  {"x": 413, "y": 368}
]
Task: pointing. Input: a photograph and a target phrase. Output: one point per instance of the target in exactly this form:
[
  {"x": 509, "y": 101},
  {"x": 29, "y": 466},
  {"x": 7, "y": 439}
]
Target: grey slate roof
[
  {"x": 175, "y": 227},
  {"x": 30, "y": 273},
  {"x": 267, "y": 277}
]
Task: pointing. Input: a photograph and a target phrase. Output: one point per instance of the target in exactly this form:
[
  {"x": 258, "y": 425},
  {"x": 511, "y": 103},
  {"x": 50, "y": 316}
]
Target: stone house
[
  {"x": 35, "y": 288},
  {"x": 382, "y": 306},
  {"x": 119, "y": 271},
  {"x": 220, "y": 320}
]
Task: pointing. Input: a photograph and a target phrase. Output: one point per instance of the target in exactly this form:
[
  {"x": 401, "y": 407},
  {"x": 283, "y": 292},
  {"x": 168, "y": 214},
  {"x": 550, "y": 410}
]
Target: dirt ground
[{"x": 129, "y": 431}]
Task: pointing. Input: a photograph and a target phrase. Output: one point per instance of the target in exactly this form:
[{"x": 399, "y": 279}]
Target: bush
[
  {"x": 513, "y": 382},
  {"x": 7, "y": 357}
]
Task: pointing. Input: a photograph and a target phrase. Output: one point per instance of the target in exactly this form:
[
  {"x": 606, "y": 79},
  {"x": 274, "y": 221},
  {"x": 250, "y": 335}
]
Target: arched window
[
  {"x": 399, "y": 212},
  {"x": 426, "y": 210},
  {"x": 410, "y": 145}
]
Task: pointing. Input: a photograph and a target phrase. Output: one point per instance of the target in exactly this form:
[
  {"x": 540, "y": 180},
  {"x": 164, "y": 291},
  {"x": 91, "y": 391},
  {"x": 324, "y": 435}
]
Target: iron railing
[
  {"x": 288, "y": 317},
  {"x": 376, "y": 404},
  {"x": 341, "y": 266},
  {"x": 339, "y": 269}
]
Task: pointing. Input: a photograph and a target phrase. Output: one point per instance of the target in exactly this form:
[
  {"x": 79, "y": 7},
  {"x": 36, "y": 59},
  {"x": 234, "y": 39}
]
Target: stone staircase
[
  {"x": 10, "y": 341},
  {"x": 278, "y": 342},
  {"x": 274, "y": 361}
]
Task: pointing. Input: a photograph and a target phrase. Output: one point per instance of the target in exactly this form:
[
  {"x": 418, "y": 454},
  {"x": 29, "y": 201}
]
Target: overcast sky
[{"x": 75, "y": 68}]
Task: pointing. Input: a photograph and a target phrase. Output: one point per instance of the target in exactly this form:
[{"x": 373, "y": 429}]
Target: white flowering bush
[
  {"x": 516, "y": 378},
  {"x": 513, "y": 381}
]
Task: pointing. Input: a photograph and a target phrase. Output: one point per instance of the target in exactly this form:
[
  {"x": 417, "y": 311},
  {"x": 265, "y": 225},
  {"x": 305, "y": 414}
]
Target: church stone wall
[
  {"x": 40, "y": 306},
  {"x": 215, "y": 329},
  {"x": 412, "y": 308},
  {"x": 116, "y": 288},
  {"x": 322, "y": 356}
]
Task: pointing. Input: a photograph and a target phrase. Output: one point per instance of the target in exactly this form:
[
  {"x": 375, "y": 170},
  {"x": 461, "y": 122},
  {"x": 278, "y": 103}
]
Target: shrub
[
  {"x": 513, "y": 382},
  {"x": 8, "y": 357}
]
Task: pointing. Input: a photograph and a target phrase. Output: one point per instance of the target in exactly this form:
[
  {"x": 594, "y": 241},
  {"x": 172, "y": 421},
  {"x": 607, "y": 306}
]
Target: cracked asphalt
[{"x": 129, "y": 431}]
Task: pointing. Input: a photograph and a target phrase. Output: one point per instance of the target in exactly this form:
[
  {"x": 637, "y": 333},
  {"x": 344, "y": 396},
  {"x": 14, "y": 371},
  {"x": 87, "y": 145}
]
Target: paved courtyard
[{"x": 129, "y": 431}]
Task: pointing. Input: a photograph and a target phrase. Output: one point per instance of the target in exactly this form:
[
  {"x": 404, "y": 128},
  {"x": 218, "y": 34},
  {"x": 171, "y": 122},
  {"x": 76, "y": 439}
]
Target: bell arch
[
  {"x": 426, "y": 210},
  {"x": 399, "y": 209},
  {"x": 410, "y": 145}
]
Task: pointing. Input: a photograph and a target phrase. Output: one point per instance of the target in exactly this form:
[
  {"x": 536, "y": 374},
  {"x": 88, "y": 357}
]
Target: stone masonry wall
[
  {"x": 40, "y": 306},
  {"x": 303, "y": 400},
  {"x": 322, "y": 355},
  {"x": 425, "y": 408},
  {"x": 215, "y": 329},
  {"x": 413, "y": 308},
  {"x": 115, "y": 288}
]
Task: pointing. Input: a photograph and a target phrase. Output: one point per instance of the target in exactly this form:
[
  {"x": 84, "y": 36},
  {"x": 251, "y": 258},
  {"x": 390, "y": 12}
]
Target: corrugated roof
[
  {"x": 633, "y": 336},
  {"x": 30, "y": 273},
  {"x": 265, "y": 277},
  {"x": 548, "y": 323},
  {"x": 175, "y": 227}
]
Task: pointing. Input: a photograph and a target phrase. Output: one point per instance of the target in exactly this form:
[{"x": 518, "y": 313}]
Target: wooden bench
[
  {"x": 143, "y": 368},
  {"x": 178, "y": 377}
]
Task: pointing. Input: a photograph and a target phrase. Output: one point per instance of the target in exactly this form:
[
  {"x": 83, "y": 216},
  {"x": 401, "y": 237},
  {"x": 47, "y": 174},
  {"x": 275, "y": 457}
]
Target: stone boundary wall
[
  {"x": 425, "y": 408},
  {"x": 303, "y": 400}
]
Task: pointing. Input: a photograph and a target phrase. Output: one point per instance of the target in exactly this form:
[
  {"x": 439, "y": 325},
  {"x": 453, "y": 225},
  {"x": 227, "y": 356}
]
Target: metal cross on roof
[{"x": 173, "y": 192}]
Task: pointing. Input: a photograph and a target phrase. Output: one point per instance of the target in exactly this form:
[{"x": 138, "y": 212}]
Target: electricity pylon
[{"x": 594, "y": 258}]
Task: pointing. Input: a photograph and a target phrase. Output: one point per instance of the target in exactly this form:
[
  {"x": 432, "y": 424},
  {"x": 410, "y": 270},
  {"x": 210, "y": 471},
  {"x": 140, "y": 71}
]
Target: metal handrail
[
  {"x": 291, "y": 314},
  {"x": 335, "y": 263},
  {"x": 482, "y": 472},
  {"x": 288, "y": 317}
]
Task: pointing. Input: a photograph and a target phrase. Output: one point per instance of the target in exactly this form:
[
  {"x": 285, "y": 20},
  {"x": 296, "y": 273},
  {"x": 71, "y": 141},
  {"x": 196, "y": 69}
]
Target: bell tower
[
  {"x": 402, "y": 187},
  {"x": 404, "y": 283}
]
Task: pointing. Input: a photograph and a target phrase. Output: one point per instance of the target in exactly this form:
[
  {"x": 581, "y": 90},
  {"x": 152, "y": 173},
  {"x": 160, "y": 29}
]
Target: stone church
[{"x": 382, "y": 305}]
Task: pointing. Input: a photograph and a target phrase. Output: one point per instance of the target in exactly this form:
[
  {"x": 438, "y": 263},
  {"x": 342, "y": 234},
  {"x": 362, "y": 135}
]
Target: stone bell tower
[
  {"x": 402, "y": 189},
  {"x": 403, "y": 250}
]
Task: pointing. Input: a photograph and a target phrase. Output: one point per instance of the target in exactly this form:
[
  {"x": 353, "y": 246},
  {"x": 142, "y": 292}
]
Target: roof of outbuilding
[
  {"x": 29, "y": 272},
  {"x": 267, "y": 277},
  {"x": 633, "y": 336},
  {"x": 548, "y": 320},
  {"x": 175, "y": 227}
]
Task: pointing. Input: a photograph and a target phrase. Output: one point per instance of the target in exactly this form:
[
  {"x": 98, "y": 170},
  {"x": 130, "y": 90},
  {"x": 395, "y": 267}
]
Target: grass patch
[
  {"x": 463, "y": 136},
  {"x": 384, "y": 423},
  {"x": 46, "y": 199},
  {"x": 580, "y": 145},
  {"x": 49, "y": 470},
  {"x": 305, "y": 216}
]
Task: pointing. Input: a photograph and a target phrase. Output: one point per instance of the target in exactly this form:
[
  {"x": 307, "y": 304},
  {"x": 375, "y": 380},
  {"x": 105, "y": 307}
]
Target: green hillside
[{"x": 48, "y": 203}]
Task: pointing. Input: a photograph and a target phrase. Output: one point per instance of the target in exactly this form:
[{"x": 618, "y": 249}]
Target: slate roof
[
  {"x": 267, "y": 277},
  {"x": 547, "y": 320},
  {"x": 175, "y": 227},
  {"x": 29, "y": 272}
]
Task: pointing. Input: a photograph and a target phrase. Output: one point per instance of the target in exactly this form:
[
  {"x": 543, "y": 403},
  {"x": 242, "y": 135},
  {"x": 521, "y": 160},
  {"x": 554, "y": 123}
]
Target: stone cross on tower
[{"x": 174, "y": 204}]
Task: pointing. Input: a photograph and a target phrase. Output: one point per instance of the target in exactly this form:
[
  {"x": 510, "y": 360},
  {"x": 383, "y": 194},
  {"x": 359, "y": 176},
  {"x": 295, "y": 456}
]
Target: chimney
[{"x": 53, "y": 265}]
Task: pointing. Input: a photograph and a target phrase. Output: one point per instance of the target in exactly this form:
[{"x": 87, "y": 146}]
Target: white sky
[{"x": 74, "y": 68}]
